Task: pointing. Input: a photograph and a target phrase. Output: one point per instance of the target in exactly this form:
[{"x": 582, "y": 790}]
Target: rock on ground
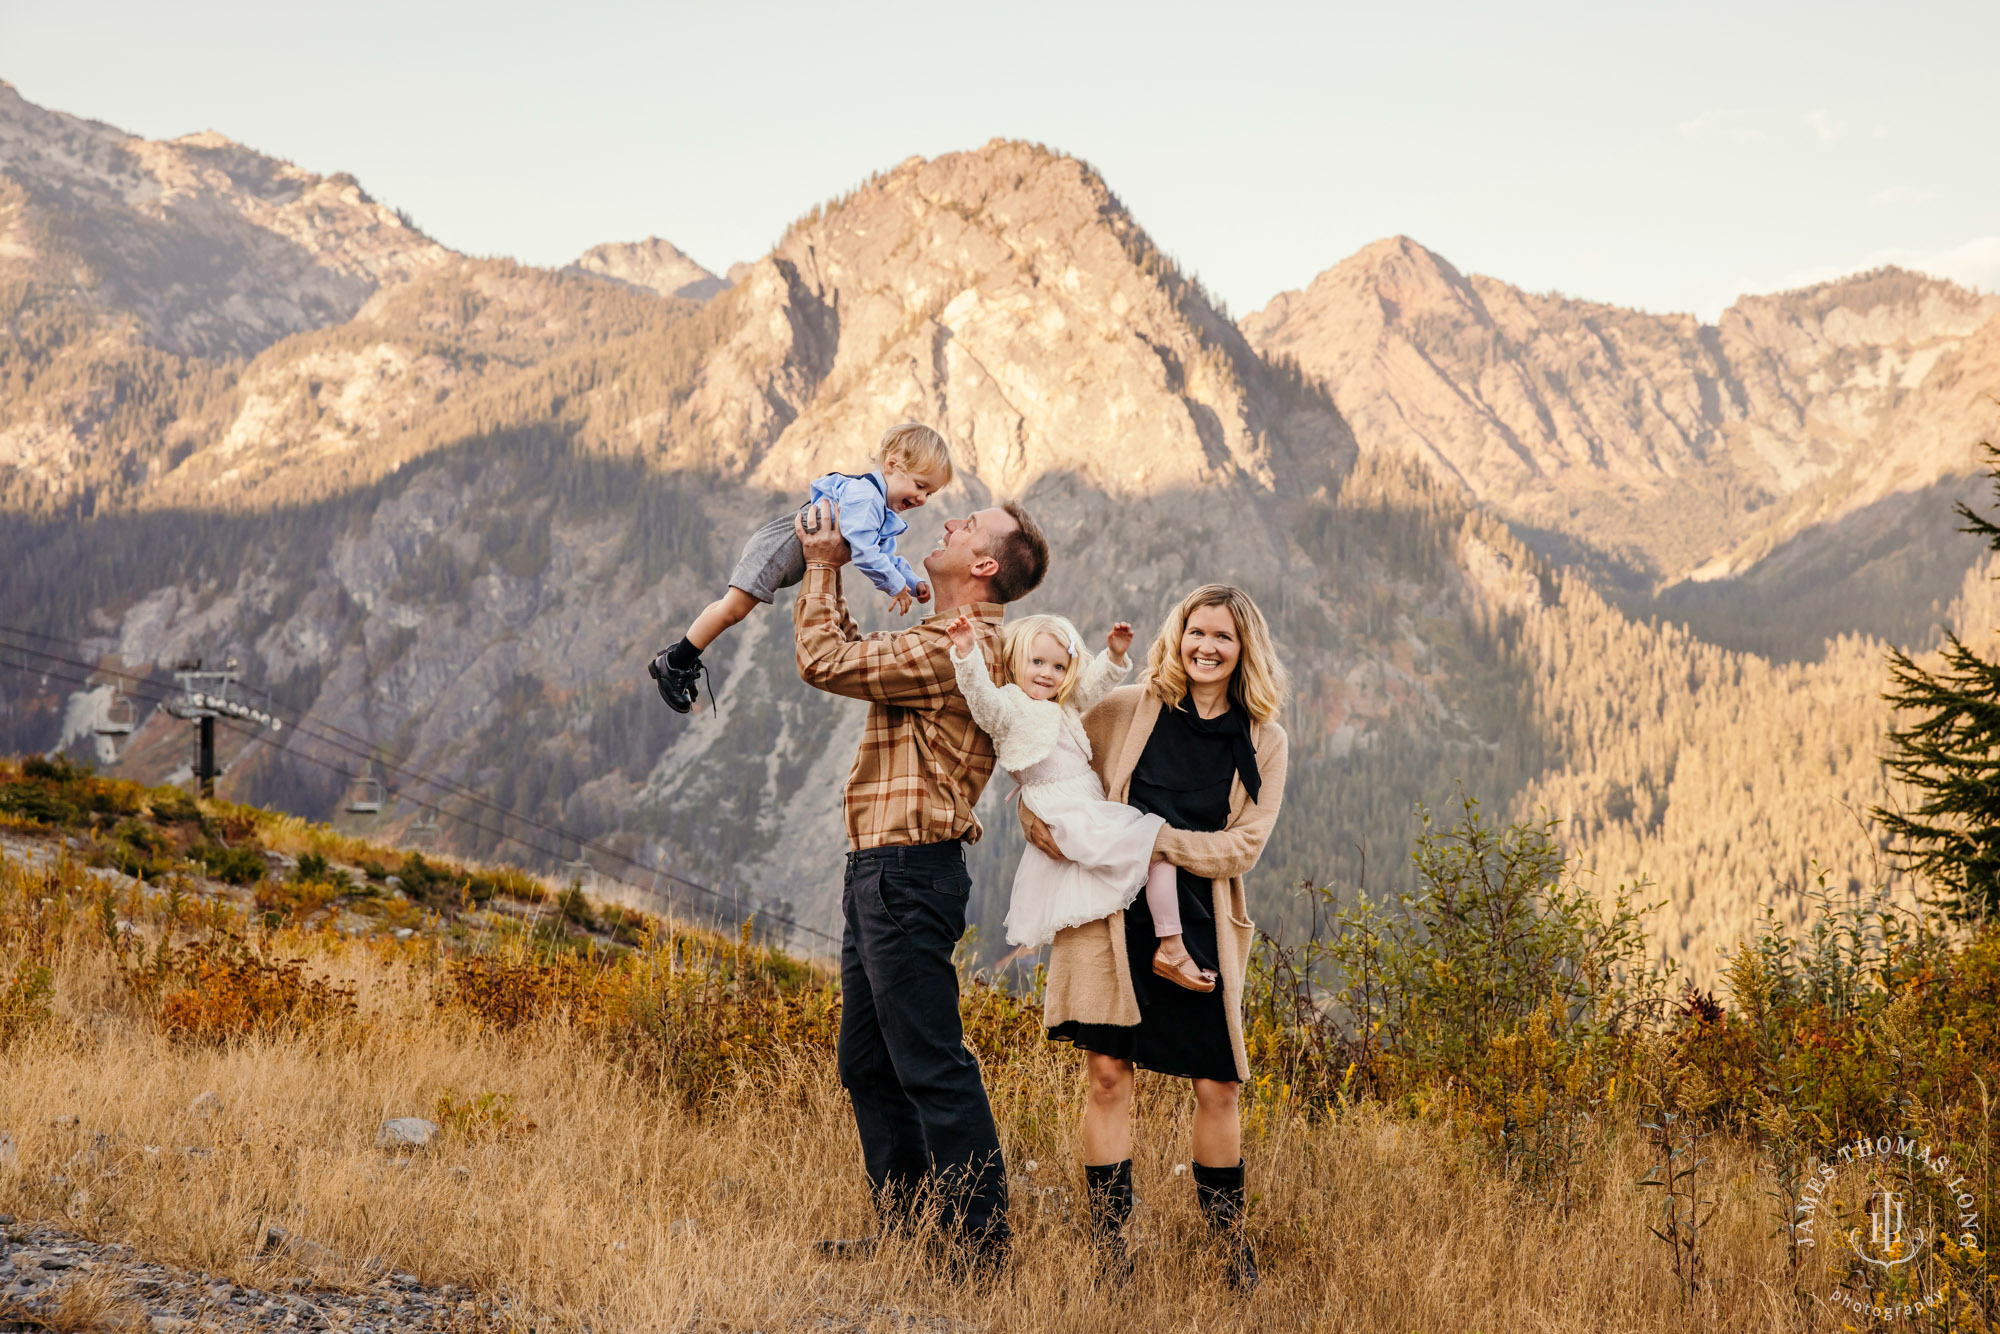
[
  {"x": 406, "y": 1132},
  {"x": 38, "y": 1263}
]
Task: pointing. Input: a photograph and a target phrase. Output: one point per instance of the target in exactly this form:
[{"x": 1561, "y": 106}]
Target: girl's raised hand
[
  {"x": 961, "y": 636},
  {"x": 1118, "y": 640}
]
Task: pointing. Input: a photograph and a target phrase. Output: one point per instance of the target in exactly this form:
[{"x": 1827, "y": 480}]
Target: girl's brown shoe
[{"x": 1182, "y": 971}]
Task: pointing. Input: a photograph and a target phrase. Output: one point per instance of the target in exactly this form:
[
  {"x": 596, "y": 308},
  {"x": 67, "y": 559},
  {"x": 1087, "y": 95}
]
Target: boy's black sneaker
[{"x": 677, "y": 684}]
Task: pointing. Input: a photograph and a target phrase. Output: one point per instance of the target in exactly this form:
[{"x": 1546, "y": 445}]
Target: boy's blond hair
[
  {"x": 914, "y": 447},
  {"x": 1017, "y": 640}
]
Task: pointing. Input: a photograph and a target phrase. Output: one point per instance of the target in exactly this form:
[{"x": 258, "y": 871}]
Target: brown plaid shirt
[{"x": 923, "y": 762}]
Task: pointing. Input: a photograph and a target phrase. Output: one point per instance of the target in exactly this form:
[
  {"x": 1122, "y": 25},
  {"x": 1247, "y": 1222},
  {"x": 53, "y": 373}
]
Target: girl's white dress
[{"x": 1042, "y": 744}]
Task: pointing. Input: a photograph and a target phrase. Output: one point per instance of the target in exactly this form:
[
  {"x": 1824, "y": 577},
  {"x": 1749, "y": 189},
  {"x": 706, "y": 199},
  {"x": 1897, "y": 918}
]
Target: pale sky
[{"x": 1664, "y": 156}]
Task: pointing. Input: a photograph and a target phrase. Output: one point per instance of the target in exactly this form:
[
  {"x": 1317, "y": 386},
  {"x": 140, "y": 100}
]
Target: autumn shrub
[
  {"x": 24, "y": 999},
  {"x": 688, "y": 1010},
  {"x": 37, "y": 803},
  {"x": 221, "y": 987},
  {"x": 430, "y": 883},
  {"x": 172, "y": 806},
  {"x": 59, "y": 792},
  {"x": 506, "y": 994},
  {"x": 481, "y": 1117},
  {"x": 292, "y": 901},
  {"x": 1867, "y": 1021}
]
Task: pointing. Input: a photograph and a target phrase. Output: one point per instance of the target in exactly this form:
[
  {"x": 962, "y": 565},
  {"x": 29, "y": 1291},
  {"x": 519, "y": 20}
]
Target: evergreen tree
[{"x": 1950, "y": 757}]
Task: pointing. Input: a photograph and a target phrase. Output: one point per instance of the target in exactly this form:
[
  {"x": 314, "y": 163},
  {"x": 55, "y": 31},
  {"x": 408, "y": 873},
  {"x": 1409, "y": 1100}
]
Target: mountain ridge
[{"x": 1581, "y": 419}]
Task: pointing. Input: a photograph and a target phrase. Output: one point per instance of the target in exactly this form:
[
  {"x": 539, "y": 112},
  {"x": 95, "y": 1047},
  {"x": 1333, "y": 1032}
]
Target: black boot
[
  {"x": 895, "y": 1212},
  {"x": 1219, "y": 1191},
  {"x": 678, "y": 683},
  {"x": 1109, "y": 1190}
]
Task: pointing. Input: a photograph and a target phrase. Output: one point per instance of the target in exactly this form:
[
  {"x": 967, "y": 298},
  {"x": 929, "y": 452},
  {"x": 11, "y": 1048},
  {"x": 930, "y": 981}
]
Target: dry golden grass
[
  {"x": 624, "y": 1209},
  {"x": 93, "y": 1305}
]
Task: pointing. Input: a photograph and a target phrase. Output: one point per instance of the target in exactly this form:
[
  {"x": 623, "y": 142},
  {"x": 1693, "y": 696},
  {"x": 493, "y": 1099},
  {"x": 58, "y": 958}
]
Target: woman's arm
[{"x": 1232, "y": 851}]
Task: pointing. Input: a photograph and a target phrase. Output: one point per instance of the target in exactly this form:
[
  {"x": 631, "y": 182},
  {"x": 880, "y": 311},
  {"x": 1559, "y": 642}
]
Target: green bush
[
  {"x": 315, "y": 869},
  {"x": 170, "y": 805},
  {"x": 37, "y": 802},
  {"x": 1499, "y": 995},
  {"x": 237, "y": 866},
  {"x": 139, "y": 850},
  {"x": 428, "y": 882},
  {"x": 505, "y": 882}
]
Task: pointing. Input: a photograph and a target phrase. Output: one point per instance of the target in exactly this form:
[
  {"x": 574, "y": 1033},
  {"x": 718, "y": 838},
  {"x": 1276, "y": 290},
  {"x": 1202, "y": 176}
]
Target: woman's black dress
[{"x": 1184, "y": 776}]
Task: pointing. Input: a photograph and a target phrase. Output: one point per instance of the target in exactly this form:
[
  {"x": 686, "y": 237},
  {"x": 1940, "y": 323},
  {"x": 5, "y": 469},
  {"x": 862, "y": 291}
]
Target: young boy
[{"x": 912, "y": 464}]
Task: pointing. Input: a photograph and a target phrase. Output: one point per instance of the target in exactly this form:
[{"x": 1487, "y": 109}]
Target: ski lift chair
[
  {"x": 424, "y": 831},
  {"x": 117, "y": 717},
  {"x": 365, "y": 795}
]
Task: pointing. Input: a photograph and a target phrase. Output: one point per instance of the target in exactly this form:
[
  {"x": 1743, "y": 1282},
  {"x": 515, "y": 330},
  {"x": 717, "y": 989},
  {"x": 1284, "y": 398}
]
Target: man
[{"x": 919, "y": 1103}]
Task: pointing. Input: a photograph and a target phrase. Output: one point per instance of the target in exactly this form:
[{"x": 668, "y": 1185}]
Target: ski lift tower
[{"x": 204, "y": 698}]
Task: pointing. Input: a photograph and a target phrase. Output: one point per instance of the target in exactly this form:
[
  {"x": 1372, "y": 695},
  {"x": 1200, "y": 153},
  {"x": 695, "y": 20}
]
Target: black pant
[{"x": 919, "y": 1102}]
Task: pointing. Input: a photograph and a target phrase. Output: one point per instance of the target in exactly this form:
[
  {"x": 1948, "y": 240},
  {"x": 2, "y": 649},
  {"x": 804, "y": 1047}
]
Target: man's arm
[{"x": 911, "y": 668}]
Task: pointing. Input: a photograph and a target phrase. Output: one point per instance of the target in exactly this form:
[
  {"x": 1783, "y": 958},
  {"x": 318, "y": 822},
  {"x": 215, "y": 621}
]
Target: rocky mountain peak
[
  {"x": 655, "y": 264},
  {"x": 1348, "y": 308},
  {"x": 217, "y": 249},
  {"x": 1005, "y": 294},
  {"x": 1882, "y": 308},
  {"x": 1662, "y": 444}
]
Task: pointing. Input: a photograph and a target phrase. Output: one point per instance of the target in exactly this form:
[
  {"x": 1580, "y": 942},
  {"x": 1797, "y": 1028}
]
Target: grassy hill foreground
[{"x": 1477, "y": 1110}]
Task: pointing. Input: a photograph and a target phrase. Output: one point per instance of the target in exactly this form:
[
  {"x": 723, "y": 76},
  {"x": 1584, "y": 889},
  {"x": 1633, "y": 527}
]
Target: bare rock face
[
  {"x": 217, "y": 250},
  {"x": 1006, "y": 295},
  {"x": 653, "y": 264},
  {"x": 1683, "y": 449}
]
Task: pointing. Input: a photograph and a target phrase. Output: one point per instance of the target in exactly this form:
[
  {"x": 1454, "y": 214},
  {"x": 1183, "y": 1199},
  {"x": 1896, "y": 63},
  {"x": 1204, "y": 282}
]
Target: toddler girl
[{"x": 1036, "y": 725}]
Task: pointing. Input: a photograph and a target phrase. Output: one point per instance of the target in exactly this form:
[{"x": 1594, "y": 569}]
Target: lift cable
[{"x": 142, "y": 688}]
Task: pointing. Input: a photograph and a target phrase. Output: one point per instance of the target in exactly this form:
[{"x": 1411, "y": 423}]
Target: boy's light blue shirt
[{"x": 870, "y": 527}]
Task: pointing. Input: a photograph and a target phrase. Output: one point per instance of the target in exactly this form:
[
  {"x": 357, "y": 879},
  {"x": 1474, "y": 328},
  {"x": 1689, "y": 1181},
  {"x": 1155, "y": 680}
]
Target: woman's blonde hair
[
  {"x": 1017, "y": 641},
  {"x": 1259, "y": 682}
]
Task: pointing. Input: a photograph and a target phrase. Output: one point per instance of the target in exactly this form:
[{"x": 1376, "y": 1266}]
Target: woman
[{"x": 1197, "y": 742}]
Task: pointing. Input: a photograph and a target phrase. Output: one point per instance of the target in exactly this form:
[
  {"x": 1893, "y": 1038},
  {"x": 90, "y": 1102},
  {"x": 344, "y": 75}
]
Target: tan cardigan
[{"x": 1089, "y": 977}]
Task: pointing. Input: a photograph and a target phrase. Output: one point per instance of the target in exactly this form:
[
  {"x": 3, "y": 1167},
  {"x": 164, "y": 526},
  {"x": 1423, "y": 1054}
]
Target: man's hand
[
  {"x": 923, "y": 590},
  {"x": 962, "y": 638},
  {"x": 1118, "y": 640},
  {"x": 1039, "y": 835},
  {"x": 901, "y": 602},
  {"x": 818, "y": 527}
]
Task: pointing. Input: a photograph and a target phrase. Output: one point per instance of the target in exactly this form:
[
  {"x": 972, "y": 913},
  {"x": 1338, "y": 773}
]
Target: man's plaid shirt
[{"x": 923, "y": 762}]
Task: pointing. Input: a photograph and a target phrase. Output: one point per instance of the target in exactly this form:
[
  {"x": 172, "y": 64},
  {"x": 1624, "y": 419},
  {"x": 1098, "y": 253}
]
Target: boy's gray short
[{"x": 772, "y": 559}]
